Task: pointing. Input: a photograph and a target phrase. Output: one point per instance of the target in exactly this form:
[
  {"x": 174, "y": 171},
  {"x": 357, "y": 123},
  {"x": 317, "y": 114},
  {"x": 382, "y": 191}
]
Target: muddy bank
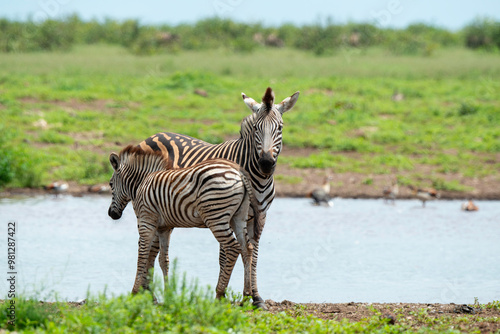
[
  {"x": 291, "y": 182},
  {"x": 482, "y": 319},
  {"x": 352, "y": 187}
]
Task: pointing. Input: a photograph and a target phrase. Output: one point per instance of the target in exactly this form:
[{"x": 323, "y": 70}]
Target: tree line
[{"x": 320, "y": 38}]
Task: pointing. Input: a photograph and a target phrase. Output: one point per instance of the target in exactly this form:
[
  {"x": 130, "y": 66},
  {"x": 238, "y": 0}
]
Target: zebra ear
[
  {"x": 251, "y": 103},
  {"x": 114, "y": 159},
  {"x": 288, "y": 103}
]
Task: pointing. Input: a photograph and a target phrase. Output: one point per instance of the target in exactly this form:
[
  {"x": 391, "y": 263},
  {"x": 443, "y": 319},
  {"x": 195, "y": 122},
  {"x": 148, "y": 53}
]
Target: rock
[
  {"x": 42, "y": 124},
  {"x": 201, "y": 92}
]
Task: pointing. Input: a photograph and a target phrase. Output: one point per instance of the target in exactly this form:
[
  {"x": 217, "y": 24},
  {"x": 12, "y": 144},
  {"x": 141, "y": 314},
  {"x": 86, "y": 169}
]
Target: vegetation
[
  {"x": 321, "y": 38},
  {"x": 188, "y": 308},
  {"x": 71, "y": 92},
  {"x": 64, "y": 112},
  {"x": 483, "y": 34}
]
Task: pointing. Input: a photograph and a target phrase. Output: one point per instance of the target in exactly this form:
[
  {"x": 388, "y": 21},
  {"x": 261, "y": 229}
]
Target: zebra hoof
[
  {"x": 260, "y": 304},
  {"x": 220, "y": 295}
]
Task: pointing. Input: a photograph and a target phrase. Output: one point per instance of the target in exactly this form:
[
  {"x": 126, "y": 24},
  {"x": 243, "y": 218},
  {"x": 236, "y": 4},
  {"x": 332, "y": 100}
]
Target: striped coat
[
  {"x": 214, "y": 194},
  {"x": 256, "y": 151}
]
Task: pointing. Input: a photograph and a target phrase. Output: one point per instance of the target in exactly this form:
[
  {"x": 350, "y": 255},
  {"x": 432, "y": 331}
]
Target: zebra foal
[{"x": 214, "y": 194}]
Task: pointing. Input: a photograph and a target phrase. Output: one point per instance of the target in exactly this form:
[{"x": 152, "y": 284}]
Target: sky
[{"x": 448, "y": 14}]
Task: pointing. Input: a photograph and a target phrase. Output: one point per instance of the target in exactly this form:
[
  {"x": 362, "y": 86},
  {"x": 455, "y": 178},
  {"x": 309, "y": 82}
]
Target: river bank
[
  {"x": 466, "y": 318},
  {"x": 294, "y": 182},
  {"x": 404, "y": 317}
]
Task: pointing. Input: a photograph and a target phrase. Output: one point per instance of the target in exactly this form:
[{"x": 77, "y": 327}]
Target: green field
[{"x": 64, "y": 112}]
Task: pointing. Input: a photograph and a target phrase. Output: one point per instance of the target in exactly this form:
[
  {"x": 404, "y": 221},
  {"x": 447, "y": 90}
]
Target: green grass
[
  {"x": 187, "y": 311},
  {"x": 186, "y": 307},
  {"x": 289, "y": 179},
  {"x": 96, "y": 99}
]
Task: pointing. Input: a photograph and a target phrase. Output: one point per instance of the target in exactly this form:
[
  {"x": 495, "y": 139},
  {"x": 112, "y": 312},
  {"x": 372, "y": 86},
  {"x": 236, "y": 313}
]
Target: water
[{"x": 358, "y": 250}]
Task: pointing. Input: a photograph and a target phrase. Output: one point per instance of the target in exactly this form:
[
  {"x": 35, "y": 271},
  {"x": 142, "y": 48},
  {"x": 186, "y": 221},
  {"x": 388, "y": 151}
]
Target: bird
[
  {"x": 321, "y": 195},
  {"x": 57, "y": 187},
  {"x": 425, "y": 194},
  {"x": 469, "y": 206},
  {"x": 98, "y": 189},
  {"x": 391, "y": 192}
]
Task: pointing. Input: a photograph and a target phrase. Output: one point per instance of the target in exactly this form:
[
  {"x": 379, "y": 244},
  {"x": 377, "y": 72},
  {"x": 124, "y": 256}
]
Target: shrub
[
  {"x": 54, "y": 35},
  {"x": 407, "y": 43},
  {"x": 6, "y": 162},
  {"x": 320, "y": 38},
  {"x": 19, "y": 165},
  {"x": 467, "y": 109},
  {"x": 482, "y": 33},
  {"x": 30, "y": 314}
]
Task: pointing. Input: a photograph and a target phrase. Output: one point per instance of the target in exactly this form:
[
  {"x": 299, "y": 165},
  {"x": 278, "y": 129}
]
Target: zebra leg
[
  {"x": 222, "y": 264},
  {"x": 164, "y": 236},
  {"x": 230, "y": 246},
  {"x": 155, "y": 248},
  {"x": 257, "y": 299},
  {"x": 146, "y": 236},
  {"x": 239, "y": 228}
]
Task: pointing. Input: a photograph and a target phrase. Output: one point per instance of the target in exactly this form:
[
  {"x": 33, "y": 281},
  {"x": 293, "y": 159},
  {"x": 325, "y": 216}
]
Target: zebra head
[
  {"x": 131, "y": 166},
  {"x": 267, "y": 127},
  {"x": 120, "y": 197}
]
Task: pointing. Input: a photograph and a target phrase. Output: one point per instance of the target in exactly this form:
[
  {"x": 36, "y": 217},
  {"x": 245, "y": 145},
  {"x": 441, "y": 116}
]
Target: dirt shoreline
[
  {"x": 292, "y": 182},
  {"x": 416, "y": 315}
]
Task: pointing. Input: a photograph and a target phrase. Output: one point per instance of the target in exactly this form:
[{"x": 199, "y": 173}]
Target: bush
[
  {"x": 467, "y": 109},
  {"x": 18, "y": 165},
  {"x": 241, "y": 37},
  {"x": 482, "y": 33},
  {"x": 407, "y": 43},
  {"x": 6, "y": 164},
  {"x": 319, "y": 39}
]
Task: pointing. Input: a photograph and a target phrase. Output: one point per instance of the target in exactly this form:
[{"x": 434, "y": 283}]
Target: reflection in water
[{"x": 358, "y": 250}]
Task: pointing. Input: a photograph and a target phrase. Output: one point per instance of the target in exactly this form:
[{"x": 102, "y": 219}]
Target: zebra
[
  {"x": 256, "y": 151},
  {"x": 214, "y": 194}
]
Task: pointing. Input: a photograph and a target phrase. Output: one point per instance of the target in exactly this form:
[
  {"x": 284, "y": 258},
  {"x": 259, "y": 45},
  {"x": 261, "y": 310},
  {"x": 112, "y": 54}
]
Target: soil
[
  {"x": 482, "y": 320},
  {"x": 355, "y": 185}
]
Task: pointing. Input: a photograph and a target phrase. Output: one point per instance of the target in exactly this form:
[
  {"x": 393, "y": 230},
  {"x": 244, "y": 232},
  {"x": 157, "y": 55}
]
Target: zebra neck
[
  {"x": 140, "y": 172},
  {"x": 242, "y": 151}
]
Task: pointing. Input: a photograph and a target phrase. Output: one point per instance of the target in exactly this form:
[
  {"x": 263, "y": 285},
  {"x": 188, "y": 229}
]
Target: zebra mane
[
  {"x": 268, "y": 99},
  {"x": 137, "y": 151},
  {"x": 246, "y": 125}
]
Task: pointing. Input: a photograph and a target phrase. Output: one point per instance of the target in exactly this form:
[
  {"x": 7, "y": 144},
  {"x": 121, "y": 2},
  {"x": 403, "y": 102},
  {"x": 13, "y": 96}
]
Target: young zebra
[
  {"x": 256, "y": 151},
  {"x": 214, "y": 194}
]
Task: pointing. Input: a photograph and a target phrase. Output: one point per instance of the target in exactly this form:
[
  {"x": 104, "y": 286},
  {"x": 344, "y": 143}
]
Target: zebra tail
[{"x": 254, "y": 204}]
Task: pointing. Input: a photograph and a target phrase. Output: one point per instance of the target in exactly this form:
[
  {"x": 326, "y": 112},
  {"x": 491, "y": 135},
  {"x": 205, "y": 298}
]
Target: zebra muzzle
[
  {"x": 114, "y": 214},
  {"x": 266, "y": 163}
]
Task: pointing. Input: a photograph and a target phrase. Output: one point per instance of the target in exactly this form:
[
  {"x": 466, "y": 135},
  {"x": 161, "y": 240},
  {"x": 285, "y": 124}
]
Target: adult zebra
[
  {"x": 256, "y": 151},
  {"x": 214, "y": 194}
]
